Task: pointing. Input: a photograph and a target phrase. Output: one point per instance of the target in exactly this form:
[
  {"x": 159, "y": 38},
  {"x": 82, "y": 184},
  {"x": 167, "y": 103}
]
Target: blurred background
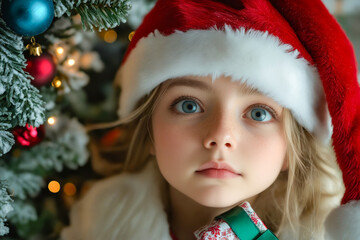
[{"x": 347, "y": 12}]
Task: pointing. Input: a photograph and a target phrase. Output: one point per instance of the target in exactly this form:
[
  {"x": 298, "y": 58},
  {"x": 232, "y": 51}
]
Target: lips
[{"x": 217, "y": 170}]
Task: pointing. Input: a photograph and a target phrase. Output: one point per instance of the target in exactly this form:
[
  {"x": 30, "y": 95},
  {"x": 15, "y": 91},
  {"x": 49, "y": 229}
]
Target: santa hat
[{"x": 292, "y": 51}]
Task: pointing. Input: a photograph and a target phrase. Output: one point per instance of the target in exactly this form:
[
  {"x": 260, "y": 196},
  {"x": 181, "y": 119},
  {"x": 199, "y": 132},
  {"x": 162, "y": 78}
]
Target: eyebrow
[{"x": 249, "y": 90}]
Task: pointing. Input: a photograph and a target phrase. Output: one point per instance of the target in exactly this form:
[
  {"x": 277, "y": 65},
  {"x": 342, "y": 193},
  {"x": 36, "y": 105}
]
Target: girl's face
[{"x": 219, "y": 143}]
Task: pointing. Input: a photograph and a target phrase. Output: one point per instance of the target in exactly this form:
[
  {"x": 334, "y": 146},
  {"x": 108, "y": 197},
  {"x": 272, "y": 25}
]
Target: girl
[{"x": 233, "y": 102}]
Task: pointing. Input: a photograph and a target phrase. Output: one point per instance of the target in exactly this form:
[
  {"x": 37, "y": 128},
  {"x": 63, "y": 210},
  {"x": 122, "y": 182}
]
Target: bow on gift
[{"x": 239, "y": 223}]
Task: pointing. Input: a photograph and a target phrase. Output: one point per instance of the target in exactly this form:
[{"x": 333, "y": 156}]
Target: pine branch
[
  {"x": 62, "y": 7},
  {"x": 22, "y": 184},
  {"x": 101, "y": 14},
  {"x": 24, "y": 212},
  {"x": 20, "y": 102},
  {"x": 65, "y": 146},
  {"x": 6, "y": 138},
  {"x": 5, "y": 208}
]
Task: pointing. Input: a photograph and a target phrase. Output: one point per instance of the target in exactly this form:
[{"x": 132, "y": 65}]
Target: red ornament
[
  {"x": 42, "y": 68},
  {"x": 29, "y": 136}
]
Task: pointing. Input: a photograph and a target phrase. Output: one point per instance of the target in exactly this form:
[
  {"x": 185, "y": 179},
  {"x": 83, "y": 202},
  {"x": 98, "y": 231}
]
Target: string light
[
  {"x": 59, "y": 50},
  {"x": 71, "y": 62},
  {"x": 51, "y": 120},
  {"x": 69, "y": 189},
  {"x": 54, "y": 186},
  {"x": 110, "y": 36},
  {"x": 56, "y": 83}
]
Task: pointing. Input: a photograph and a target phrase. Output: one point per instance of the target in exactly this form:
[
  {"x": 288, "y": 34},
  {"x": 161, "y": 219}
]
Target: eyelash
[
  {"x": 266, "y": 107},
  {"x": 188, "y": 97},
  {"x": 181, "y": 98}
]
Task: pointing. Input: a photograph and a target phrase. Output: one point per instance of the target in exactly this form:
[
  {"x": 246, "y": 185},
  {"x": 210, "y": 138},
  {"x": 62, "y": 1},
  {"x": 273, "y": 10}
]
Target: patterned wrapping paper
[
  {"x": 220, "y": 230},
  {"x": 254, "y": 217},
  {"x": 217, "y": 230}
]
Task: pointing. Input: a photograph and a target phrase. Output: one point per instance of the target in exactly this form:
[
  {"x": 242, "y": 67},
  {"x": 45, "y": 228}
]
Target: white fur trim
[
  {"x": 254, "y": 57},
  {"x": 344, "y": 222},
  {"x": 126, "y": 206}
]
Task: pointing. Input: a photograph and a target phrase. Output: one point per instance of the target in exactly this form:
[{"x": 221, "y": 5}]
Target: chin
[
  {"x": 218, "y": 204},
  {"x": 217, "y": 200}
]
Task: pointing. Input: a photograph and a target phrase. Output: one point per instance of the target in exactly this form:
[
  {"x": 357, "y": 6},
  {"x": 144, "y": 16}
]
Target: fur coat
[{"x": 125, "y": 206}]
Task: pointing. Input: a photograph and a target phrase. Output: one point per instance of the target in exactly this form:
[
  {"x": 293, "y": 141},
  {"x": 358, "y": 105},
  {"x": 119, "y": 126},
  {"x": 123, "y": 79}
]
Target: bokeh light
[
  {"x": 110, "y": 36},
  {"x": 54, "y": 186},
  {"x": 69, "y": 189},
  {"x": 51, "y": 120},
  {"x": 71, "y": 62},
  {"x": 131, "y": 35},
  {"x": 56, "y": 83},
  {"x": 59, "y": 50}
]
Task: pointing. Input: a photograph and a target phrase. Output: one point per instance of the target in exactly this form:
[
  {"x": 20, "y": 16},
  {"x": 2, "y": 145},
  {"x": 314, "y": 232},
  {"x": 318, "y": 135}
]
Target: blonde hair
[
  {"x": 296, "y": 204},
  {"x": 299, "y": 201},
  {"x": 140, "y": 120}
]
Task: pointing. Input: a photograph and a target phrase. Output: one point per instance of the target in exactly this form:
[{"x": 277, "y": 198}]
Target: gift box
[{"x": 239, "y": 223}]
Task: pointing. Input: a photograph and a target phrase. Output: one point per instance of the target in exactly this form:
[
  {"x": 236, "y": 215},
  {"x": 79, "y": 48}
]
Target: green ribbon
[
  {"x": 242, "y": 225},
  {"x": 267, "y": 235}
]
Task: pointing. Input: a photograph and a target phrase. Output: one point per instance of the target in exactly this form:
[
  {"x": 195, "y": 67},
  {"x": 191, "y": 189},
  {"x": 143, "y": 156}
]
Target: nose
[{"x": 220, "y": 132}]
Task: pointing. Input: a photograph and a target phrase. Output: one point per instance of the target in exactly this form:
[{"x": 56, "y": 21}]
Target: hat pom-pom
[{"x": 344, "y": 222}]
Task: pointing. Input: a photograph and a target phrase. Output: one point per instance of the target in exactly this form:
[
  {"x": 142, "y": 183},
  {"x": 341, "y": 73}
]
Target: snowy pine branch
[
  {"x": 5, "y": 208},
  {"x": 101, "y": 14},
  {"x": 20, "y": 102},
  {"x": 21, "y": 184},
  {"x": 63, "y": 6},
  {"x": 65, "y": 145},
  {"x": 6, "y": 138},
  {"x": 24, "y": 211}
]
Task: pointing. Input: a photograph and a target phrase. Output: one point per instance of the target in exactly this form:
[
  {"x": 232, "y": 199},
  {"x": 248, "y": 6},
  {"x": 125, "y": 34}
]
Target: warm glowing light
[
  {"x": 60, "y": 50},
  {"x": 54, "y": 186},
  {"x": 69, "y": 189},
  {"x": 71, "y": 62},
  {"x": 56, "y": 83},
  {"x": 51, "y": 120},
  {"x": 131, "y": 35},
  {"x": 110, "y": 36}
]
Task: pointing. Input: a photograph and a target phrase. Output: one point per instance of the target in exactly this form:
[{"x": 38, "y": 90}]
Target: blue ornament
[{"x": 28, "y": 17}]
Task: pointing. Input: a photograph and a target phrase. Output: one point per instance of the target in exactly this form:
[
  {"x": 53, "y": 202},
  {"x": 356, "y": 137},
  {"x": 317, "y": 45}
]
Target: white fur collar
[{"x": 125, "y": 206}]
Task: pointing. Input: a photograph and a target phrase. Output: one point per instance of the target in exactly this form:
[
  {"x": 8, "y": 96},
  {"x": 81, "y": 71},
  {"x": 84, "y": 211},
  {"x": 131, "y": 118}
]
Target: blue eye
[
  {"x": 260, "y": 115},
  {"x": 187, "y": 106}
]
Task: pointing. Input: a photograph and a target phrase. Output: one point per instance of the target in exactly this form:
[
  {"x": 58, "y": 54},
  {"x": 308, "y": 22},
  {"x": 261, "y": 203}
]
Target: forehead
[{"x": 208, "y": 83}]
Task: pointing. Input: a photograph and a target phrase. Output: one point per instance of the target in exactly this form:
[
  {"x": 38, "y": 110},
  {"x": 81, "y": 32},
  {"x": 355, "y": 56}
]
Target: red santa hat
[{"x": 292, "y": 51}]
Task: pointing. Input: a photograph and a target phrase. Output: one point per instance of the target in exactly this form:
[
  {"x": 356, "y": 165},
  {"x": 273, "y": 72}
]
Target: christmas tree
[{"x": 44, "y": 91}]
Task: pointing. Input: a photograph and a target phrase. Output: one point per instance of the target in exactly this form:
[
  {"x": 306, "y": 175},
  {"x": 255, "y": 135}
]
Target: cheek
[
  {"x": 173, "y": 148},
  {"x": 171, "y": 142},
  {"x": 267, "y": 156},
  {"x": 167, "y": 139}
]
